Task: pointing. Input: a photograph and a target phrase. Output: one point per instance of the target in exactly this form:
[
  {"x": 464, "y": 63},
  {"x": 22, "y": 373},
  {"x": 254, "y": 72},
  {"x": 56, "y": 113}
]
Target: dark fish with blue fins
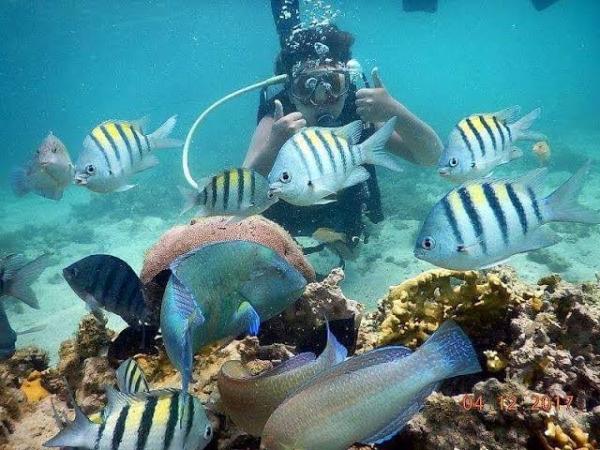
[
  {"x": 108, "y": 282},
  {"x": 370, "y": 397},
  {"x": 16, "y": 276},
  {"x": 48, "y": 173},
  {"x": 221, "y": 290}
]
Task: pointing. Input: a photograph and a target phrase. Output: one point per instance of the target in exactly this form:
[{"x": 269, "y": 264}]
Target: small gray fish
[
  {"x": 370, "y": 397},
  {"x": 16, "y": 276},
  {"x": 48, "y": 172},
  {"x": 235, "y": 192},
  {"x": 318, "y": 162},
  {"x": 141, "y": 420},
  {"x": 483, "y": 223},
  {"x": 117, "y": 149},
  {"x": 481, "y": 142}
]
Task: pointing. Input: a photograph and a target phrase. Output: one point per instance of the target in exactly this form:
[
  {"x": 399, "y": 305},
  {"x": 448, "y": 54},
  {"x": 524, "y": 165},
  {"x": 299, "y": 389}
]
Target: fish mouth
[
  {"x": 275, "y": 190},
  {"x": 80, "y": 180},
  {"x": 444, "y": 171}
]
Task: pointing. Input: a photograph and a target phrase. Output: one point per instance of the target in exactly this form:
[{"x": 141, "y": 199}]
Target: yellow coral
[
  {"x": 415, "y": 308},
  {"x": 33, "y": 389},
  {"x": 494, "y": 362},
  {"x": 575, "y": 439}
]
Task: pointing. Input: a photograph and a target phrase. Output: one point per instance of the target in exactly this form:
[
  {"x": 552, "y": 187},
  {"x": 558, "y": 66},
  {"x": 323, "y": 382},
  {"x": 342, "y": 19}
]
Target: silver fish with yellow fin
[
  {"x": 318, "y": 162},
  {"x": 117, "y": 149},
  {"x": 370, "y": 397},
  {"x": 483, "y": 223},
  {"x": 136, "y": 418},
  {"x": 481, "y": 142},
  {"x": 48, "y": 173},
  {"x": 234, "y": 192}
]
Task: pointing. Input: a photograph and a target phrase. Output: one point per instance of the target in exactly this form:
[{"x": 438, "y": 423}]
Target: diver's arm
[
  {"x": 261, "y": 153},
  {"x": 414, "y": 140}
]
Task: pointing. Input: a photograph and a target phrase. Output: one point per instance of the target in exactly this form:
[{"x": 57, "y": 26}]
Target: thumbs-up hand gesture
[
  {"x": 286, "y": 126},
  {"x": 375, "y": 104}
]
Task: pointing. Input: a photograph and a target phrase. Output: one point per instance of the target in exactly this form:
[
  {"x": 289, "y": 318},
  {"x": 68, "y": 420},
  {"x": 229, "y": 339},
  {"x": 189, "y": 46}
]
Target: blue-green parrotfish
[{"x": 222, "y": 290}]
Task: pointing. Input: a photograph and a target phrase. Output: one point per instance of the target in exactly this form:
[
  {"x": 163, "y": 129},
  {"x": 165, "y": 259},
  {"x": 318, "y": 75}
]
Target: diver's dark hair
[{"x": 300, "y": 46}]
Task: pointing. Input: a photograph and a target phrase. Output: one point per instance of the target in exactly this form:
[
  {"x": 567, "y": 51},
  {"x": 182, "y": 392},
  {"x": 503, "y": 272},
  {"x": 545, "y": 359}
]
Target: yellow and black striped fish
[
  {"x": 234, "y": 192},
  {"x": 317, "y": 162},
  {"x": 154, "y": 420},
  {"x": 117, "y": 149},
  {"x": 481, "y": 142},
  {"x": 130, "y": 378},
  {"x": 485, "y": 222}
]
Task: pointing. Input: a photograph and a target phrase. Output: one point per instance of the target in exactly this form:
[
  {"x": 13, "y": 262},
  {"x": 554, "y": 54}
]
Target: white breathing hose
[{"x": 188, "y": 140}]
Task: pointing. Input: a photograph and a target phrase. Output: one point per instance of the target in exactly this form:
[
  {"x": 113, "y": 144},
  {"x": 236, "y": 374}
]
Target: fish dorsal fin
[
  {"x": 358, "y": 362},
  {"x": 293, "y": 363},
  {"x": 116, "y": 400},
  {"x": 141, "y": 124},
  {"x": 406, "y": 413},
  {"x": 508, "y": 115},
  {"x": 352, "y": 132},
  {"x": 130, "y": 378}
]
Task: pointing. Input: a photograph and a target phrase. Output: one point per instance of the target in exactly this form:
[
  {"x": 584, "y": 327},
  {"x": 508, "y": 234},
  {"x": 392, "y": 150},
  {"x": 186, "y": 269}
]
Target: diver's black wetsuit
[{"x": 345, "y": 215}]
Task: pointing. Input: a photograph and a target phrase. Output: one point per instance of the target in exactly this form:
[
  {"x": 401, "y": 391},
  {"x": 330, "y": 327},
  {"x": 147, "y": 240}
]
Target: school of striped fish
[{"x": 222, "y": 290}]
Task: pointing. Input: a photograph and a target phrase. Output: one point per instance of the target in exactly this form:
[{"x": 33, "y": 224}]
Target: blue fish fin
[
  {"x": 375, "y": 151},
  {"x": 358, "y": 175},
  {"x": 396, "y": 425},
  {"x": 130, "y": 377},
  {"x": 125, "y": 187},
  {"x": 148, "y": 162},
  {"x": 19, "y": 181},
  {"x": 160, "y": 138},
  {"x": 247, "y": 317},
  {"x": 508, "y": 115},
  {"x": 521, "y": 128},
  {"x": 452, "y": 350},
  {"x": 562, "y": 204}
]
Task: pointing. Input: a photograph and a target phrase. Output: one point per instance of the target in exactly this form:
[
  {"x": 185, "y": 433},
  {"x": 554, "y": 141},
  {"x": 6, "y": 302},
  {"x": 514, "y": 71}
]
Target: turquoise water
[{"x": 66, "y": 69}]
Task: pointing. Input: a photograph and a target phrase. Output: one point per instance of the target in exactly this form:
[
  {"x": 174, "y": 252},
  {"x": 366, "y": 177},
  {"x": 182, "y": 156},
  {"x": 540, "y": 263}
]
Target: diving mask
[{"x": 334, "y": 83}]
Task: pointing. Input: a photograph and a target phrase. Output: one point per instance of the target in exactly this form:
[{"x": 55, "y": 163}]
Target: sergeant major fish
[
  {"x": 117, "y": 149},
  {"x": 138, "y": 419},
  {"x": 47, "y": 173},
  {"x": 220, "y": 290},
  {"x": 16, "y": 276},
  {"x": 105, "y": 281},
  {"x": 235, "y": 192},
  {"x": 250, "y": 400},
  {"x": 483, "y": 223},
  {"x": 318, "y": 162},
  {"x": 370, "y": 397},
  {"x": 481, "y": 142}
]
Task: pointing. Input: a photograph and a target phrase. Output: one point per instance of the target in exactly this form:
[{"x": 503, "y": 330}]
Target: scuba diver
[{"x": 323, "y": 89}]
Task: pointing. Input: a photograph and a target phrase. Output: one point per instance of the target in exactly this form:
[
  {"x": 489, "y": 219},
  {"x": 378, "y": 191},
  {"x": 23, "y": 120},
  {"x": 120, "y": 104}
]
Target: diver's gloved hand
[
  {"x": 284, "y": 127},
  {"x": 376, "y": 104}
]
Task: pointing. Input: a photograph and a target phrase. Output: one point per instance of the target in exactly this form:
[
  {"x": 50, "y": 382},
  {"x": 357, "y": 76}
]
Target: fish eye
[
  {"x": 428, "y": 243},
  {"x": 453, "y": 162},
  {"x": 90, "y": 169},
  {"x": 285, "y": 177},
  {"x": 270, "y": 195},
  {"x": 208, "y": 432},
  {"x": 54, "y": 150}
]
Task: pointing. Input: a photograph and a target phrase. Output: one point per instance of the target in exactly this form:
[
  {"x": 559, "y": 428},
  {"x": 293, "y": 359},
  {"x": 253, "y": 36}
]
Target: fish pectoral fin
[
  {"x": 358, "y": 175},
  {"x": 125, "y": 187},
  {"x": 247, "y": 318},
  {"x": 537, "y": 239},
  {"x": 325, "y": 201},
  {"x": 405, "y": 414}
]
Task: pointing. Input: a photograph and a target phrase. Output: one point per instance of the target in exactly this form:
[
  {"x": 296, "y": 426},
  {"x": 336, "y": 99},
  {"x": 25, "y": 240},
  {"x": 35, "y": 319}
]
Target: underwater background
[{"x": 65, "y": 69}]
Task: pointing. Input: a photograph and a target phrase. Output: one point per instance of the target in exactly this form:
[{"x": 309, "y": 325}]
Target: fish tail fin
[
  {"x": 521, "y": 127},
  {"x": 190, "y": 199},
  {"x": 18, "y": 181},
  {"x": 76, "y": 434},
  {"x": 453, "y": 348},
  {"x": 160, "y": 138},
  {"x": 19, "y": 283},
  {"x": 374, "y": 148},
  {"x": 562, "y": 204}
]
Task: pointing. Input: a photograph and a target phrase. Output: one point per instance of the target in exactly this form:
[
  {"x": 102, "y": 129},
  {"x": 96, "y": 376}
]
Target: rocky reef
[{"x": 539, "y": 346}]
